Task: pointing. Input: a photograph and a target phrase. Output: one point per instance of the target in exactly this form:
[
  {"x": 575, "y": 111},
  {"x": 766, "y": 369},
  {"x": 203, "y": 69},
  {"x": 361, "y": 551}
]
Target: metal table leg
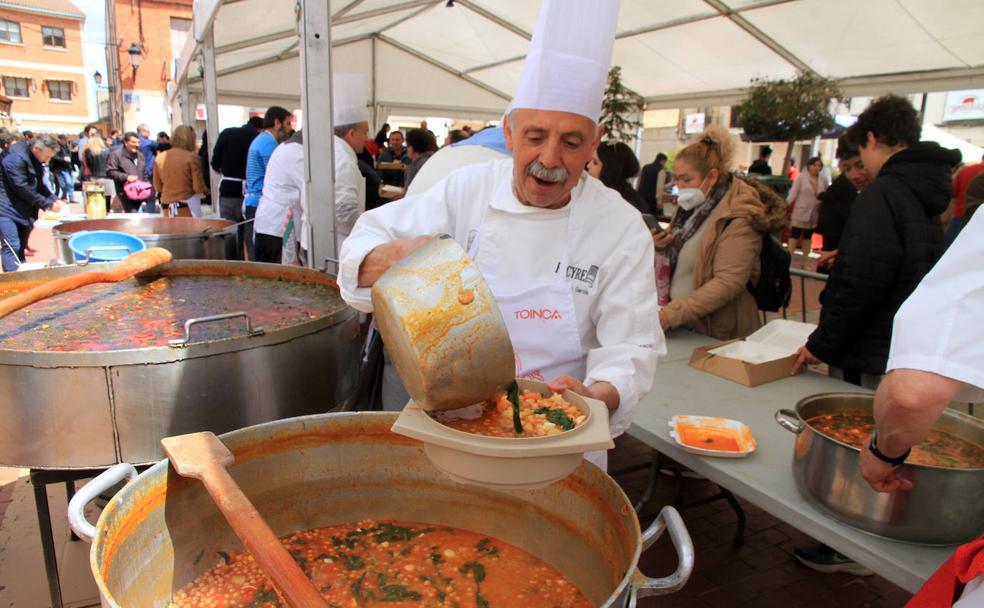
[{"x": 47, "y": 538}]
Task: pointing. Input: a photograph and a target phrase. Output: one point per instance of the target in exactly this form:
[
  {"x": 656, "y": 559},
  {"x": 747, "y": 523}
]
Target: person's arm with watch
[{"x": 907, "y": 405}]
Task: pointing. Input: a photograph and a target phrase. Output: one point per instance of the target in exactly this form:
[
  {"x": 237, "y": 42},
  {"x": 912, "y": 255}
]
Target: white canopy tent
[{"x": 464, "y": 57}]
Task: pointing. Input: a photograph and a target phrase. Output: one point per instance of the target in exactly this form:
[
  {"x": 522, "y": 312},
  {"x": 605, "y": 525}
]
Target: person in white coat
[
  {"x": 547, "y": 237},
  {"x": 935, "y": 358},
  {"x": 283, "y": 190}
]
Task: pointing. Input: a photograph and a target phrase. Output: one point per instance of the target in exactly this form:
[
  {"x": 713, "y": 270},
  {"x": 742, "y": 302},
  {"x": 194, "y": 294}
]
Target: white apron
[{"x": 540, "y": 318}]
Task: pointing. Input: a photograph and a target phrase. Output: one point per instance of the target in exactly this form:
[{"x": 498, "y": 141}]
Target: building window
[
  {"x": 16, "y": 87},
  {"x": 60, "y": 90},
  {"x": 53, "y": 36},
  {"x": 10, "y": 31}
]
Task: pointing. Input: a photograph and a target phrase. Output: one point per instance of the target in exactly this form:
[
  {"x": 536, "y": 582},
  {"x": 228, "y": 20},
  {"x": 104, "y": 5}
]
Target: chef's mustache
[{"x": 555, "y": 175}]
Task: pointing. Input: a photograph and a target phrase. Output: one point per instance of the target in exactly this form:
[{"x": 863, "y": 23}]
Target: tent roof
[{"x": 423, "y": 56}]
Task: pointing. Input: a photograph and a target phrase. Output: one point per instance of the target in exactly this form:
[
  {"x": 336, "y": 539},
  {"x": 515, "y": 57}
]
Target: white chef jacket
[
  {"x": 283, "y": 189},
  {"x": 609, "y": 265},
  {"x": 938, "y": 328},
  {"x": 446, "y": 160}
]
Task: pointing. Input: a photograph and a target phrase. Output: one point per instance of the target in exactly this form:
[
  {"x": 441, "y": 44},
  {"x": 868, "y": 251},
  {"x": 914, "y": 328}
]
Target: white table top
[{"x": 765, "y": 477}]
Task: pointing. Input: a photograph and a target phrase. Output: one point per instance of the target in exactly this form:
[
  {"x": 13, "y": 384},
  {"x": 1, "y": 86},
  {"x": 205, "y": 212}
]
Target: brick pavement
[{"x": 761, "y": 573}]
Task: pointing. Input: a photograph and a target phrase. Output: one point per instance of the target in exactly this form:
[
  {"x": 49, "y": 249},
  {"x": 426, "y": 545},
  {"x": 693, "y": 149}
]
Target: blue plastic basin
[{"x": 81, "y": 242}]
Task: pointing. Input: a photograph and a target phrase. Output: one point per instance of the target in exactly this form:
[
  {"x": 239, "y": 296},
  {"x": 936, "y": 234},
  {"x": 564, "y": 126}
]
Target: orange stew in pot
[
  {"x": 395, "y": 565},
  {"x": 939, "y": 449}
]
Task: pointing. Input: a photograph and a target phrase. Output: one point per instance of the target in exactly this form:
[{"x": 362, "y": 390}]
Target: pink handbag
[{"x": 138, "y": 190}]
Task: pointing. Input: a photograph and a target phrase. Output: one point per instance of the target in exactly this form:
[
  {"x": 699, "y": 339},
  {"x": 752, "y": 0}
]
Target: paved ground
[{"x": 760, "y": 573}]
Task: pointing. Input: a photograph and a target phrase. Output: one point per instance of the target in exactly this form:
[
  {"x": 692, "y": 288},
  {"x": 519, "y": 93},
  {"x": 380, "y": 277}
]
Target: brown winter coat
[
  {"x": 728, "y": 260},
  {"x": 178, "y": 175}
]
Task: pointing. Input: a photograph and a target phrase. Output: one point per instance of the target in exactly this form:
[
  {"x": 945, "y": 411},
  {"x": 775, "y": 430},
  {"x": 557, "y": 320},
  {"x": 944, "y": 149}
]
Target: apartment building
[{"x": 41, "y": 66}]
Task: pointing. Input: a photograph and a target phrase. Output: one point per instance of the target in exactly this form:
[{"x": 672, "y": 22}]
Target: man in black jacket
[
  {"x": 229, "y": 159},
  {"x": 127, "y": 164},
  {"x": 22, "y": 194},
  {"x": 838, "y": 200},
  {"x": 893, "y": 237}
]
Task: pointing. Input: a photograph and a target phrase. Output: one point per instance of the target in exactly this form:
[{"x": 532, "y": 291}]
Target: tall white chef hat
[
  {"x": 348, "y": 96},
  {"x": 567, "y": 65}
]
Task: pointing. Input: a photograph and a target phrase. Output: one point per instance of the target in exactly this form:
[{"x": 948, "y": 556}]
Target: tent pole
[
  {"x": 319, "y": 162},
  {"x": 210, "y": 89},
  {"x": 375, "y": 117}
]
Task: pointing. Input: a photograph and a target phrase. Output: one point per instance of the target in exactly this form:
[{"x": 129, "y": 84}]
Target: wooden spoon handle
[
  {"x": 259, "y": 539},
  {"x": 46, "y": 290}
]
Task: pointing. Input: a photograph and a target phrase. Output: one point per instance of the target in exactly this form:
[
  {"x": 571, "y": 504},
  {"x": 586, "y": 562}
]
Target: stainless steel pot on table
[
  {"x": 161, "y": 531},
  {"x": 87, "y": 409},
  {"x": 944, "y": 507},
  {"x": 187, "y": 238}
]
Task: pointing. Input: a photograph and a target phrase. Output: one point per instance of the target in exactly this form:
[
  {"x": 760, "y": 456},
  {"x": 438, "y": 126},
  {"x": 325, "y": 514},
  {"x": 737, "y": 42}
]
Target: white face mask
[{"x": 691, "y": 198}]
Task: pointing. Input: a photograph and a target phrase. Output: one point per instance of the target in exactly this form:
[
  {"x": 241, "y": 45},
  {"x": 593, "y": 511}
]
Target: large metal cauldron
[
  {"x": 187, "y": 238},
  {"x": 944, "y": 507},
  {"x": 160, "y": 532},
  {"x": 90, "y": 409}
]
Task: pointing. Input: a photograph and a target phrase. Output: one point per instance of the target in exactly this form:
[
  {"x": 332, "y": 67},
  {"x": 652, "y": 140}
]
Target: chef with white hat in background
[
  {"x": 350, "y": 121},
  {"x": 570, "y": 264}
]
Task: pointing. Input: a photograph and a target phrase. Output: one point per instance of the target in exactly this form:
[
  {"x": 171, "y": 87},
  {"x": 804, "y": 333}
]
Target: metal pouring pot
[{"x": 161, "y": 531}]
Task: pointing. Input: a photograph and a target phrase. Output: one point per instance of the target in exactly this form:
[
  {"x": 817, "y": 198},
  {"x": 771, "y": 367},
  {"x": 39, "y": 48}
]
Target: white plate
[{"x": 708, "y": 421}]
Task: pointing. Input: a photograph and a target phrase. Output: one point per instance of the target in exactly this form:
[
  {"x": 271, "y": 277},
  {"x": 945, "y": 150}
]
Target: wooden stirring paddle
[
  {"x": 131, "y": 265},
  {"x": 202, "y": 456}
]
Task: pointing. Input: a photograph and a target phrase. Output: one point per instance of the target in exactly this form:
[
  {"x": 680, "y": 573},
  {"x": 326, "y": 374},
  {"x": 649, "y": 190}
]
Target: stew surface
[
  {"x": 392, "y": 564},
  {"x": 142, "y": 314},
  {"x": 940, "y": 448},
  {"x": 540, "y": 416}
]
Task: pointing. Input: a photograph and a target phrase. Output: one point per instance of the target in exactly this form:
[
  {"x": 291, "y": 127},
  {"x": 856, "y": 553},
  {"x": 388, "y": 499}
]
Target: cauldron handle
[
  {"x": 643, "y": 586},
  {"x": 790, "y": 420},
  {"x": 89, "y": 492}
]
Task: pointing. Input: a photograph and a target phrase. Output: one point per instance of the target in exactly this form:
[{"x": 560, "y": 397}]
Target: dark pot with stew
[
  {"x": 946, "y": 503},
  {"x": 161, "y": 532}
]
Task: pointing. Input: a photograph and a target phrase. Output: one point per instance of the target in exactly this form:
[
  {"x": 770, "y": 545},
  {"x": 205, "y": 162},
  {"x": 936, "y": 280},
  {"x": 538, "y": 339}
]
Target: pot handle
[
  {"x": 89, "y": 492},
  {"x": 643, "y": 586},
  {"x": 250, "y": 330},
  {"x": 790, "y": 420}
]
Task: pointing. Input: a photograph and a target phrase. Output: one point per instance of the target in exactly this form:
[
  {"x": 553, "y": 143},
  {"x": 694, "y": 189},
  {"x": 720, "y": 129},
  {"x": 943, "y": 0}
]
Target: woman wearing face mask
[{"x": 713, "y": 244}]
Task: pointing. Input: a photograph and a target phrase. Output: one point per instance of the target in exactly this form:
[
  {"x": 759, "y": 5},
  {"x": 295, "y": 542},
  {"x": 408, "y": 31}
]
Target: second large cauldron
[{"x": 187, "y": 238}]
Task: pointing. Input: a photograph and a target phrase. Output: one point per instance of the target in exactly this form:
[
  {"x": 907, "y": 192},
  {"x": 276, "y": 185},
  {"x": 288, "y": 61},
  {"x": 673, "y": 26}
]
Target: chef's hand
[
  {"x": 880, "y": 475},
  {"x": 661, "y": 238},
  {"x": 805, "y": 356},
  {"x": 602, "y": 391},
  {"x": 383, "y": 257},
  {"x": 664, "y": 320}
]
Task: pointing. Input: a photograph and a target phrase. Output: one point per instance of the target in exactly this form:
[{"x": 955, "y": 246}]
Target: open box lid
[
  {"x": 778, "y": 339},
  {"x": 593, "y": 435}
]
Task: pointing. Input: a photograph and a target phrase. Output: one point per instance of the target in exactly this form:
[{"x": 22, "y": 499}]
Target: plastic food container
[
  {"x": 509, "y": 462},
  {"x": 711, "y": 436},
  {"x": 104, "y": 245}
]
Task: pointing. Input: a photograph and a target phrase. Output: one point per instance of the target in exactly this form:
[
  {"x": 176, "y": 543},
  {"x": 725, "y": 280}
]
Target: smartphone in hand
[{"x": 652, "y": 222}]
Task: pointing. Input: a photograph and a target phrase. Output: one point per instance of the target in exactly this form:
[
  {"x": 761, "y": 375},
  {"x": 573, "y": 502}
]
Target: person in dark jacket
[
  {"x": 229, "y": 159},
  {"x": 761, "y": 165},
  {"x": 892, "y": 238},
  {"x": 649, "y": 178},
  {"x": 614, "y": 164},
  {"x": 60, "y": 166},
  {"x": 838, "y": 200},
  {"x": 23, "y": 194},
  {"x": 127, "y": 164}
]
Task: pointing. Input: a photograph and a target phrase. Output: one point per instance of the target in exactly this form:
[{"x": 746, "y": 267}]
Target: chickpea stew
[
  {"x": 539, "y": 416},
  {"x": 392, "y": 564}
]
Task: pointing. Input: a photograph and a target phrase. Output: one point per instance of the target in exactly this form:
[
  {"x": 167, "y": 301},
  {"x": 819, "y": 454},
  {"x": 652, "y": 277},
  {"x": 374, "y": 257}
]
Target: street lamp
[
  {"x": 136, "y": 56},
  {"x": 98, "y": 78}
]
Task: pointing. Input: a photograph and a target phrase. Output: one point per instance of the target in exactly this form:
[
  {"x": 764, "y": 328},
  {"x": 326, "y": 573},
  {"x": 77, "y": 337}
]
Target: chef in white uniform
[
  {"x": 937, "y": 356},
  {"x": 570, "y": 264}
]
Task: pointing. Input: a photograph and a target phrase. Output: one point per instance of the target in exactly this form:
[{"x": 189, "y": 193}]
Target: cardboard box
[{"x": 766, "y": 355}]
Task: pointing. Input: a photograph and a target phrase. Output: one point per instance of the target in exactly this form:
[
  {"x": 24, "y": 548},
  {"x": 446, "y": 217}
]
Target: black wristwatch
[{"x": 873, "y": 447}]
